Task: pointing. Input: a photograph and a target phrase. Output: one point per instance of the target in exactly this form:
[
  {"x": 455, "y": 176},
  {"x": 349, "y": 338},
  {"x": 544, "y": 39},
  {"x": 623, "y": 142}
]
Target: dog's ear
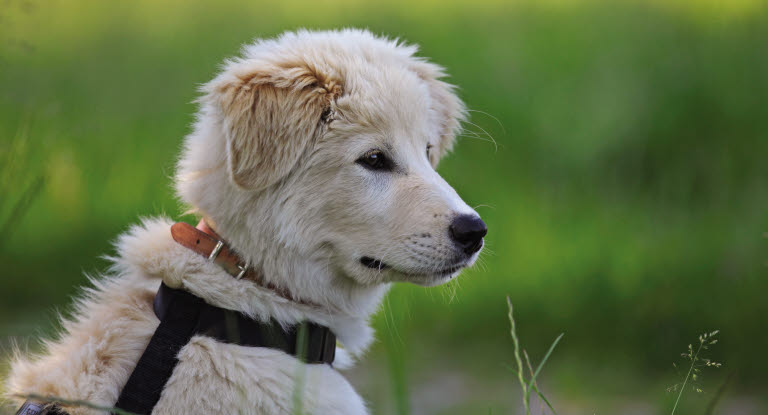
[
  {"x": 447, "y": 106},
  {"x": 270, "y": 113}
]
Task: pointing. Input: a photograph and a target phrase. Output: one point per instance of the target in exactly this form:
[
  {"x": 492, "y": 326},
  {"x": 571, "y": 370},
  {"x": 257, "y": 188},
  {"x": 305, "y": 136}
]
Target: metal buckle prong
[
  {"x": 243, "y": 270},
  {"x": 215, "y": 251}
]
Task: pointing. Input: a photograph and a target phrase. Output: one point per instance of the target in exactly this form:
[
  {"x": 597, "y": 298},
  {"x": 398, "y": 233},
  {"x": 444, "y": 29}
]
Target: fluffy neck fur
[{"x": 150, "y": 249}]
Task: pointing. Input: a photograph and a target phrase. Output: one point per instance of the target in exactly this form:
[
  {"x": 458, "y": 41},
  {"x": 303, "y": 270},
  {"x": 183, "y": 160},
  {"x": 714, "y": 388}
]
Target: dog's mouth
[
  {"x": 377, "y": 264},
  {"x": 372, "y": 263}
]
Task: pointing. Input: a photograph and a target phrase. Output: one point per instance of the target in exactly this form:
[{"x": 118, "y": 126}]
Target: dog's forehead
[{"x": 389, "y": 100}]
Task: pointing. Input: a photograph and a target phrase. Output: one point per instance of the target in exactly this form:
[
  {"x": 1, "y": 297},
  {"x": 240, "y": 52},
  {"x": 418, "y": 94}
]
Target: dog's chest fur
[{"x": 113, "y": 322}]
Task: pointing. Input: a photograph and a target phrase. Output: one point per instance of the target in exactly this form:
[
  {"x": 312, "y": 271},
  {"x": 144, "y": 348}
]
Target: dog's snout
[{"x": 468, "y": 232}]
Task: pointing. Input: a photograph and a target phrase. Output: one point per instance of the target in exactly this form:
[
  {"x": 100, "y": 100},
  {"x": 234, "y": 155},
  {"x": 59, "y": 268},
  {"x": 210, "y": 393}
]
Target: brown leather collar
[{"x": 206, "y": 242}]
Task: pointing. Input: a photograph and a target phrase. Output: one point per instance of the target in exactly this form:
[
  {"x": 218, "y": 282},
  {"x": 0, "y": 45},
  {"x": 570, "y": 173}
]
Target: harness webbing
[
  {"x": 177, "y": 326},
  {"x": 183, "y": 315}
]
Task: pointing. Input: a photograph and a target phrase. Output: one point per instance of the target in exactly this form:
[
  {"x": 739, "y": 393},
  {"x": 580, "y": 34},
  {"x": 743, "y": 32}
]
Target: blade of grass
[
  {"x": 536, "y": 385},
  {"x": 302, "y": 342},
  {"x": 546, "y": 356},
  {"x": 543, "y": 398},
  {"x": 530, "y": 369},
  {"x": 21, "y": 206},
  {"x": 719, "y": 394}
]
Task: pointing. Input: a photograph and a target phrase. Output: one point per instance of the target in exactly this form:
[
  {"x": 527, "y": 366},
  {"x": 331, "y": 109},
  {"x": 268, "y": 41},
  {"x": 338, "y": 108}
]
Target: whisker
[
  {"x": 474, "y": 134},
  {"x": 485, "y": 113},
  {"x": 477, "y": 137},
  {"x": 496, "y": 146}
]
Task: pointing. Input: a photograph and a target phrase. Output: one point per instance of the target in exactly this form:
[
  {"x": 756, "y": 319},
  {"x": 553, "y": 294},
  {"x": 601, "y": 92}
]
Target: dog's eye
[
  {"x": 429, "y": 147},
  {"x": 375, "y": 160}
]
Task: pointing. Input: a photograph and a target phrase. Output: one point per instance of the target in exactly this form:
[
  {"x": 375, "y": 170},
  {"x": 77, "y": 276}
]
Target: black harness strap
[
  {"x": 183, "y": 315},
  {"x": 177, "y": 326}
]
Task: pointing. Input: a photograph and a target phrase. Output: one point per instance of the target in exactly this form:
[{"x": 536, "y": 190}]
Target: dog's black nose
[{"x": 468, "y": 231}]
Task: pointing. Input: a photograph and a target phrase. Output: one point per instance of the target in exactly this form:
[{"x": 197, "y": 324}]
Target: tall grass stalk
[
  {"x": 14, "y": 170},
  {"x": 719, "y": 394},
  {"x": 523, "y": 385},
  {"x": 302, "y": 344},
  {"x": 705, "y": 340},
  {"x": 531, "y": 384},
  {"x": 399, "y": 380}
]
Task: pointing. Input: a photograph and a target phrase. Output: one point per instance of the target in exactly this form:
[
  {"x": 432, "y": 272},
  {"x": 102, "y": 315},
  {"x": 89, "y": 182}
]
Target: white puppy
[{"x": 313, "y": 156}]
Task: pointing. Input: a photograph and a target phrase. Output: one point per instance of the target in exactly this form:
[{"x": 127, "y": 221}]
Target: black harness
[{"x": 183, "y": 315}]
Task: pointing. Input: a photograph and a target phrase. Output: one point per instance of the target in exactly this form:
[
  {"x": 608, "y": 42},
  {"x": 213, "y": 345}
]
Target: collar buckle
[
  {"x": 216, "y": 250},
  {"x": 243, "y": 269}
]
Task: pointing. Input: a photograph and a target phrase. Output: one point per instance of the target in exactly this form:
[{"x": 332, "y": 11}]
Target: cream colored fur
[{"x": 272, "y": 165}]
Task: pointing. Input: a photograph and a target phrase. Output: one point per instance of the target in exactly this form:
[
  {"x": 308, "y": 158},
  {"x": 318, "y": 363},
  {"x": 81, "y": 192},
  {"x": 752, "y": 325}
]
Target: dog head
[{"x": 324, "y": 145}]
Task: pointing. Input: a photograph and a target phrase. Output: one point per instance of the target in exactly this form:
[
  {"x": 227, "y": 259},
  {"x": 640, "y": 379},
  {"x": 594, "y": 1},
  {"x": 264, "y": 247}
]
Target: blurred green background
[{"x": 627, "y": 196}]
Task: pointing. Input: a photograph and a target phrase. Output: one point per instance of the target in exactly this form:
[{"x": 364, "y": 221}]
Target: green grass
[
  {"x": 530, "y": 384},
  {"x": 626, "y": 200},
  {"x": 698, "y": 362},
  {"x": 692, "y": 377}
]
